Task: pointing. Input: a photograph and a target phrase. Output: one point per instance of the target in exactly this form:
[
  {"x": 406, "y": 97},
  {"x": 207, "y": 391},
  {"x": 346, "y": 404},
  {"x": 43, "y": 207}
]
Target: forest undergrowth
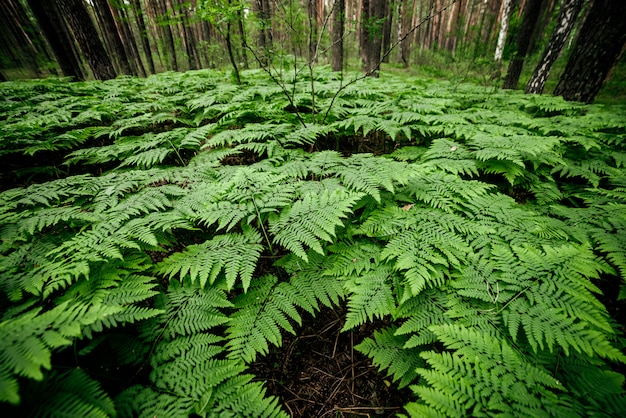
[{"x": 183, "y": 245}]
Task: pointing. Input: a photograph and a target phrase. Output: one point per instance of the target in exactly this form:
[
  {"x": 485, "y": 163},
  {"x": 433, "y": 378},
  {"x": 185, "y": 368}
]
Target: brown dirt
[{"x": 318, "y": 373}]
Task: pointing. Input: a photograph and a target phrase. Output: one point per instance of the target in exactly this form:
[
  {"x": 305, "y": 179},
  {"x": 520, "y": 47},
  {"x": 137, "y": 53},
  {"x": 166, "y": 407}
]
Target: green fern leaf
[
  {"x": 387, "y": 352},
  {"x": 236, "y": 253},
  {"x": 310, "y": 219},
  {"x": 262, "y": 312}
]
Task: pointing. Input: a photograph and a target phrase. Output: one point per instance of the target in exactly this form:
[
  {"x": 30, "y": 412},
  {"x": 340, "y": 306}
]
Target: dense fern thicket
[{"x": 167, "y": 232}]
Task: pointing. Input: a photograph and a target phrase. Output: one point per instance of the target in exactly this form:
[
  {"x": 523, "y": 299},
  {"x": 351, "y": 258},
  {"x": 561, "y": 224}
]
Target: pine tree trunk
[
  {"x": 130, "y": 42},
  {"x": 524, "y": 41},
  {"x": 405, "y": 43},
  {"x": 77, "y": 16},
  {"x": 167, "y": 32},
  {"x": 388, "y": 9},
  {"x": 565, "y": 22},
  {"x": 112, "y": 35},
  {"x": 59, "y": 39},
  {"x": 600, "y": 43},
  {"x": 143, "y": 34},
  {"x": 371, "y": 35},
  {"x": 337, "y": 35},
  {"x": 244, "y": 42},
  {"x": 20, "y": 35}
]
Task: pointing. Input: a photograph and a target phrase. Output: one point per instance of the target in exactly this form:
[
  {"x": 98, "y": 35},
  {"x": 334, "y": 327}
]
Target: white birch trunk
[{"x": 504, "y": 28}]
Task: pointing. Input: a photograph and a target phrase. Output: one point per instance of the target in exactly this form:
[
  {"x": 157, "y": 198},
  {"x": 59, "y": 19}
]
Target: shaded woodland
[{"x": 103, "y": 39}]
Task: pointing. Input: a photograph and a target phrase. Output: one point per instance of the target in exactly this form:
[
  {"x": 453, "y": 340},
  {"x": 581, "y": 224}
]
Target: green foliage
[{"x": 193, "y": 222}]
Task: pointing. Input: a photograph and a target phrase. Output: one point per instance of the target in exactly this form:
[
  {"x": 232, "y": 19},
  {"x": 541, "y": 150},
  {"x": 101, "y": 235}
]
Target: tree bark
[
  {"x": 143, "y": 34},
  {"x": 371, "y": 35},
  {"x": 79, "y": 21},
  {"x": 128, "y": 36},
  {"x": 504, "y": 29},
  {"x": 388, "y": 9},
  {"x": 565, "y": 22},
  {"x": 112, "y": 35},
  {"x": 167, "y": 32},
  {"x": 339, "y": 15},
  {"x": 524, "y": 40},
  {"x": 600, "y": 43},
  {"x": 57, "y": 33}
]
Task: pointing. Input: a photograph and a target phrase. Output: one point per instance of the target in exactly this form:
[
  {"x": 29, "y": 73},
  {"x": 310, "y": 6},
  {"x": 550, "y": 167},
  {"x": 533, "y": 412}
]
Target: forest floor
[{"x": 318, "y": 373}]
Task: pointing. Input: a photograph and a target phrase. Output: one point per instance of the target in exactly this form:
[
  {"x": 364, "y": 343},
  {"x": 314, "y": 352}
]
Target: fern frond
[
  {"x": 370, "y": 296},
  {"x": 261, "y": 313},
  {"x": 387, "y": 351},
  {"x": 484, "y": 374},
  {"x": 312, "y": 281},
  {"x": 237, "y": 254},
  {"x": 311, "y": 218},
  {"x": 71, "y": 393}
]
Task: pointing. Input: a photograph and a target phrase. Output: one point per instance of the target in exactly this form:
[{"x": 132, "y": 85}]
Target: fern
[
  {"x": 262, "y": 312},
  {"x": 236, "y": 254},
  {"x": 311, "y": 219},
  {"x": 388, "y": 353}
]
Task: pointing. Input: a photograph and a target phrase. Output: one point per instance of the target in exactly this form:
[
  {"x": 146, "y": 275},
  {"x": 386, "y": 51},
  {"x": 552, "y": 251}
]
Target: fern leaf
[
  {"x": 310, "y": 219},
  {"x": 262, "y": 312},
  {"x": 387, "y": 352},
  {"x": 236, "y": 254},
  {"x": 369, "y": 296}
]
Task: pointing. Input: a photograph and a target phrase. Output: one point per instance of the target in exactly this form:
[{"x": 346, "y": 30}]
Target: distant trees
[{"x": 103, "y": 38}]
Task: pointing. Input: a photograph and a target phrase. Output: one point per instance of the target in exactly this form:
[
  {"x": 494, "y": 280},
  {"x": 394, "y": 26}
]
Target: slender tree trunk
[
  {"x": 313, "y": 29},
  {"x": 86, "y": 35},
  {"x": 372, "y": 35},
  {"x": 264, "y": 38},
  {"x": 130, "y": 42},
  {"x": 339, "y": 14},
  {"x": 143, "y": 34},
  {"x": 524, "y": 41},
  {"x": 229, "y": 47},
  {"x": 388, "y": 11},
  {"x": 565, "y": 22},
  {"x": 242, "y": 34},
  {"x": 190, "y": 41},
  {"x": 19, "y": 28},
  {"x": 405, "y": 43},
  {"x": 601, "y": 42},
  {"x": 504, "y": 29},
  {"x": 167, "y": 32}
]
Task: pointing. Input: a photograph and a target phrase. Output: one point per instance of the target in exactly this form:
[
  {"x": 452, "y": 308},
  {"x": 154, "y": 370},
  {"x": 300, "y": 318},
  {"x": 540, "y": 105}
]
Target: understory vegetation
[{"x": 161, "y": 236}]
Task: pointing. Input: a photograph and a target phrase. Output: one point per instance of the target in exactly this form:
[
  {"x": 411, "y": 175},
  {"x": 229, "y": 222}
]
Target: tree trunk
[
  {"x": 229, "y": 47},
  {"x": 56, "y": 32},
  {"x": 77, "y": 16},
  {"x": 504, "y": 29},
  {"x": 167, "y": 32},
  {"x": 19, "y": 35},
  {"x": 339, "y": 14},
  {"x": 143, "y": 34},
  {"x": 388, "y": 9},
  {"x": 244, "y": 42},
  {"x": 597, "y": 50},
  {"x": 371, "y": 35},
  {"x": 130, "y": 42},
  {"x": 112, "y": 35},
  {"x": 264, "y": 38},
  {"x": 524, "y": 41},
  {"x": 405, "y": 43},
  {"x": 565, "y": 22}
]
